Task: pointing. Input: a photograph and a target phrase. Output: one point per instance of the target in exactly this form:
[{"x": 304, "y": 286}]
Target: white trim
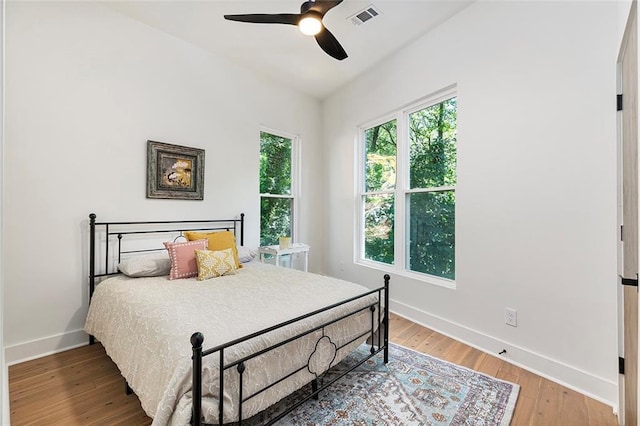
[
  {"x": 434, "y": 189},
  {"x": 426, "y": 101},
  {"x": 372, "y": 123},
  {"x": 401, "y": 243},
  {"x": 358, "y": 237},
  {"x": 38, "y": 348},
  {"x": 432, "y": 99},
  {"x": 296, "y": 183},
  {"x": 377, "y": 193},
  {"x": 267, "y": 195},
  {"x": 601, "y": 389},
  {"x": 418, "y": 276}
]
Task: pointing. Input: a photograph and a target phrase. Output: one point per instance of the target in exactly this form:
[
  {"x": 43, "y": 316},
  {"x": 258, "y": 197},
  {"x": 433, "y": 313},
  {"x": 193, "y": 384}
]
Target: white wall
[
  {"x": 536, "y": 195},
  {"x": 85, "y": 88}
]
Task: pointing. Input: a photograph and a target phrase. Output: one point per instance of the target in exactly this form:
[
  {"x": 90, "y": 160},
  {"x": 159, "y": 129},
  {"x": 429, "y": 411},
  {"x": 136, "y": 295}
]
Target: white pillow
[
  {"x": 245, "y": 254},
  {"x": 154, "y": 265}
]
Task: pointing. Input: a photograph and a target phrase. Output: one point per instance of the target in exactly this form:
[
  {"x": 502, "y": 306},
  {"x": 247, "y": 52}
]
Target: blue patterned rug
[{"x": 412, "y": 389}]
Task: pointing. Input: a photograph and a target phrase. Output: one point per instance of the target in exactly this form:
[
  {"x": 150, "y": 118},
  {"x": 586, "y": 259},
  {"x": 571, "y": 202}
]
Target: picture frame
[{"x": 174, "y": 171}]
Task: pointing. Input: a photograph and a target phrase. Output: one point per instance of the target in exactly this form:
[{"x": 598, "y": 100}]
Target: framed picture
[{"x": 174, "y": 171}]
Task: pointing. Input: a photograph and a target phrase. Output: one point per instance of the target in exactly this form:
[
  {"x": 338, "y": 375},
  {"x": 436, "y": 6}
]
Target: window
[
  {"x": 278, "y": 186},
  {"x": 408, "y": 183},
  {"x": 379, "y": 195}
]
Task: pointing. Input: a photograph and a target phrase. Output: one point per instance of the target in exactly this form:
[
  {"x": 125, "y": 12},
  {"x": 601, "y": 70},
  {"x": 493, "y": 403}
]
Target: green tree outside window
[
  {"x": 276, "y": 193},
  {"x": 427, "y": 192},
  {"x": 379, "y": 198},
  {"x": 432, "y": 176}
]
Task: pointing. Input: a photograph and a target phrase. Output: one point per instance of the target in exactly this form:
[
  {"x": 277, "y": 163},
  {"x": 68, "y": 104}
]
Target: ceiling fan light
[{"x": 310, "y": 25}]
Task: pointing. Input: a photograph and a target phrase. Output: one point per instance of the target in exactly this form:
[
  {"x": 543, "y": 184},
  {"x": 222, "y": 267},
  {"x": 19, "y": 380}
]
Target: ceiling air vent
[{"x": 364, "y": 15}]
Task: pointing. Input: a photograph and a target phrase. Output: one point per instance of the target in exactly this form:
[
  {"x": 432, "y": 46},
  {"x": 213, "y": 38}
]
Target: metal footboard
[{"x": 379, "y": 322}]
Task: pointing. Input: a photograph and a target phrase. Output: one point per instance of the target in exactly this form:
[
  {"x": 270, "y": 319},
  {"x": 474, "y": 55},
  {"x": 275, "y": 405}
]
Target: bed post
[
  {"x": 92, "y": 261},
  {"x": 386, "y": 318},
  {"x": 196, "y": 391},
  {"x": 241, "y": 229}
]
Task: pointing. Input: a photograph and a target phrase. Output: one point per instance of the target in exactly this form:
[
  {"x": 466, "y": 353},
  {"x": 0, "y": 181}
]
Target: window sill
[{"x": 429, "y": 279}]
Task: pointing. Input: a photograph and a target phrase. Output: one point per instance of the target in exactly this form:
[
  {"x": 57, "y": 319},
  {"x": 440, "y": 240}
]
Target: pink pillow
[{"x": 183, "y": 258}]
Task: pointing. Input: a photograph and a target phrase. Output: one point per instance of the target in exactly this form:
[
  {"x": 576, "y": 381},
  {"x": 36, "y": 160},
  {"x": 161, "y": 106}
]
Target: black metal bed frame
[{"x": 379, "y": 322}]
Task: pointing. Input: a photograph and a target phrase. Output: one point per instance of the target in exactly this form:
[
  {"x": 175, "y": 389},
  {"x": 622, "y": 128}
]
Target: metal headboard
[{"x": 122, "y": 229}]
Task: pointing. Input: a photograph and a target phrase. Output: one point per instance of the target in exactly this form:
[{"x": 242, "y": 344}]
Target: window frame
[
  {"x": 295, "y": 177},
  {"x": 401, "y": 192}
]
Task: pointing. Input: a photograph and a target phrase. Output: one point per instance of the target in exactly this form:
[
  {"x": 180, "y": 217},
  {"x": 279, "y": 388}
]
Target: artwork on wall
[{"x": 174, "y": 171}]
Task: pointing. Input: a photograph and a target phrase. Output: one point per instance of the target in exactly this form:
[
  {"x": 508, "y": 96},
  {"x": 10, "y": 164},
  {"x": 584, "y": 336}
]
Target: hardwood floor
[
  {"x": 541, "y": 402},
  {"x": 84, "y": 387}
]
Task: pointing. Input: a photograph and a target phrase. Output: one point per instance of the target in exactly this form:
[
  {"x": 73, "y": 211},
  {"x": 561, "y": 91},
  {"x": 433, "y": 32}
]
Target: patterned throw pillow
[
  {"x": 219, "y": 240},
  {"x": 183, "y": 258},
  {"x": 213, "y": 264}
]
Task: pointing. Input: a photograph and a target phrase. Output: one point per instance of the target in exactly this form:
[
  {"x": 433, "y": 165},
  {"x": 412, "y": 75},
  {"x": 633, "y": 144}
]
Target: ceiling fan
[{"x": 309, "y": 21}]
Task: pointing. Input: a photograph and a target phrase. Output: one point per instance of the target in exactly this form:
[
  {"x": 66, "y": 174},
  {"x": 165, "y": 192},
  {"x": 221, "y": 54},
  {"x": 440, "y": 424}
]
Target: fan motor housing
[{"x": 304, "y": 7}]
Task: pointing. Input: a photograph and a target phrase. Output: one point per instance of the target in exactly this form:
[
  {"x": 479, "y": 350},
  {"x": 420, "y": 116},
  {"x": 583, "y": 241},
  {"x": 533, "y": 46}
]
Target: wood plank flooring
[{"x": 84, "y": 387}]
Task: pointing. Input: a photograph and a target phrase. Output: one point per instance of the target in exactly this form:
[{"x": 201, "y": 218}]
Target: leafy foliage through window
[
  {"x": 380, "y": 184},
  {"x": 426, "y": 190},
  {"x": 276, "y": 188}
]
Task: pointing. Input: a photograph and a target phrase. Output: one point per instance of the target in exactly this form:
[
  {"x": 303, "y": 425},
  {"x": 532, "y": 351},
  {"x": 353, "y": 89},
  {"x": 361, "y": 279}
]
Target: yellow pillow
[
  {"x": 213, "y": 264},
  {"x": 217, "y": 241}
]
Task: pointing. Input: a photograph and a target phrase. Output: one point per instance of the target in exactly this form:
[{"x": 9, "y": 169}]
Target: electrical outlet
[
  {"x": 341, "y": 266},
  {"x": 511, "y": 317}
]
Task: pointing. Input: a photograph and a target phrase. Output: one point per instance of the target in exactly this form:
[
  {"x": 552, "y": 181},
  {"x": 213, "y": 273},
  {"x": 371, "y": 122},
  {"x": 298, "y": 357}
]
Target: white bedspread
[{"x": 145, "y": 325}]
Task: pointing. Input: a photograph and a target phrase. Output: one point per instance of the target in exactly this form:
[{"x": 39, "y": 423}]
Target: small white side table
[{"x": 277, "y": 252}]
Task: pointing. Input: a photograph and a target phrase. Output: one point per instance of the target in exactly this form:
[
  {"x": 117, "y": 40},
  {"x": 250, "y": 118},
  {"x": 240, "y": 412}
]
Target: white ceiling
[{"x": 281, "y": 52}]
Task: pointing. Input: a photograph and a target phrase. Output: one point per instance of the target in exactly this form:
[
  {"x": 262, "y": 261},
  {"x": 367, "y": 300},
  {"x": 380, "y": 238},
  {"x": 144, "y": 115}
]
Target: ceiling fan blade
[
  {"x": 266, "y": 18},
  {"x": 323, "y": 6},
  {"x": 330, "y": 44}
]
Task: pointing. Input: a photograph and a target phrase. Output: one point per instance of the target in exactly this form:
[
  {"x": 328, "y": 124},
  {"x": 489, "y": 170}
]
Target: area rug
[{"x": 412, "y": 389}]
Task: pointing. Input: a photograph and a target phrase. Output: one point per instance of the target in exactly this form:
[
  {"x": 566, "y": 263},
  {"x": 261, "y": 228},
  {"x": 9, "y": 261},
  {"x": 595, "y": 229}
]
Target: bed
[{"x": 222, "y": 350}]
